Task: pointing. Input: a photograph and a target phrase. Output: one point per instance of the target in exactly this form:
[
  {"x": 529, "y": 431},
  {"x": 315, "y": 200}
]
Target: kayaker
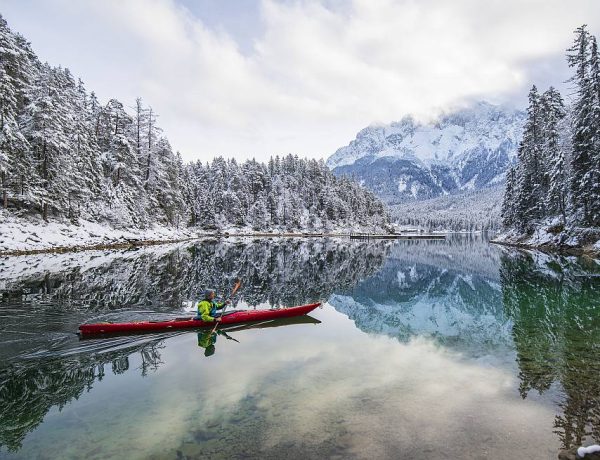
[{"x": 208, "y": 306}]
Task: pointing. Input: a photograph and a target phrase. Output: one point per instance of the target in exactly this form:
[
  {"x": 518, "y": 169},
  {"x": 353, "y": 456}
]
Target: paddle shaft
[{"x": 233, "y": 291}]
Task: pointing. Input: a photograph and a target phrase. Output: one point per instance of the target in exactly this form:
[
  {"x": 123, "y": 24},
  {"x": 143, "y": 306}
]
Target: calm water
[{"x": 430, "y": 349}]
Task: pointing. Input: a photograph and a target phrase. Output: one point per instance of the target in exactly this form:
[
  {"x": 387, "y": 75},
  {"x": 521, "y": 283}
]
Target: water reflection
[
  {"x": 28, "y": 389},
  {"x": 555, "y": 305},
  {"x": 451, "y": 344},
  {"x": 319, "y": 392},
  {"x": 471, "y": 297},
  {"x": 277, "y": 272},
  {"x": 207, "y": 339},
  {"x": 446, "y": 290},
  {"x": 43, "y": 298}
]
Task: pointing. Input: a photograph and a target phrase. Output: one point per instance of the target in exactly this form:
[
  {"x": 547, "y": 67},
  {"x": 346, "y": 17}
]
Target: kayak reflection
[{"x": 208, "y": 338}]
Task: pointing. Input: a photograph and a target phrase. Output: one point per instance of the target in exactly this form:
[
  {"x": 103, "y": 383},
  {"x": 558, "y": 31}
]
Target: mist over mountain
[{"x": 468, "y": 149}]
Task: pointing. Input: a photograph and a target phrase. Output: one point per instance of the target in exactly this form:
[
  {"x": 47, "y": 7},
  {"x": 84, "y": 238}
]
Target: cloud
[{"x": 315, "y": 73}]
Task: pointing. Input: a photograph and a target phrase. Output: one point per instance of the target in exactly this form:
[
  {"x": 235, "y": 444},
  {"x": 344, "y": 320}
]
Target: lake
[{"x": 421, "y": 350}]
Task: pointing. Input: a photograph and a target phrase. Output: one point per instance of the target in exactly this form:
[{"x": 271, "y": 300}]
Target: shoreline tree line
[{"x": 66, "y": 155}]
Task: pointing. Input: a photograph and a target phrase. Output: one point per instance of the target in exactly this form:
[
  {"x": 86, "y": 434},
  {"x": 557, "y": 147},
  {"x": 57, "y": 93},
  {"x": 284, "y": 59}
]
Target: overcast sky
[{"x": 254, "y": 78}]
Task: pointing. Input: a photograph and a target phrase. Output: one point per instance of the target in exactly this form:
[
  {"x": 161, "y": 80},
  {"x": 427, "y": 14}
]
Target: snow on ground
[
  {"x": 22, "y": 234},
  {"x": 550, "y": 233},
  {"x": 18, "y": 234}
]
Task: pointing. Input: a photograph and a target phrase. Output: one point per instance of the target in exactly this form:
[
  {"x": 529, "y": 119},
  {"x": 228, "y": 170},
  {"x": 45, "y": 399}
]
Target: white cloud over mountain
[{"x": 315, "y": 73}]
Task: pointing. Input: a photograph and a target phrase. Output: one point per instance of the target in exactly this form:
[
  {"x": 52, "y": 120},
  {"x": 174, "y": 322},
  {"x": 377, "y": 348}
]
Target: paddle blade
[{"x": 236, "y": 287}]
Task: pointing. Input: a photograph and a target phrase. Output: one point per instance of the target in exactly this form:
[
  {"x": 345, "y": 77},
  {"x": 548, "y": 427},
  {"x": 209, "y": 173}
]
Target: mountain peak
[{"x": 463, "y": 149}]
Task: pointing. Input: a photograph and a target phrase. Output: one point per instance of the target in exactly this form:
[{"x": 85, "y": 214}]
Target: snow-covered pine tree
[
  {"x": 17, "y": 67},
  {"x": 166, "y": 188},
  {"x": 564, "y": 148},
  {"x": 85, "y": 149},
  {"x": 508, "y": 203},
  {"x": 152, "y": 133},
  {"x": 65, "y": 154},
  {"x": 258, "y": 215},
  {"x": 287, "y": 196},
  {"x": 581, "y": 179},
  {"x": 45, "y": 122},
  {"x": 255, "y": 176},
  {"x": 189, "y": 192},
  {"x": 594, "y": 127},
  {"x": 553, "y": 156},
  {"x": 529, "y": 174},
  {"x": 123, "y": 186},
  {"x": 140, "y": 121}
]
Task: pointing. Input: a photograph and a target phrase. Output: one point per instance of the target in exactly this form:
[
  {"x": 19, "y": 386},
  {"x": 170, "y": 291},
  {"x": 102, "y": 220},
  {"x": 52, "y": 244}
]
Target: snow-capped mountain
[{"x": 406, "y": 160}]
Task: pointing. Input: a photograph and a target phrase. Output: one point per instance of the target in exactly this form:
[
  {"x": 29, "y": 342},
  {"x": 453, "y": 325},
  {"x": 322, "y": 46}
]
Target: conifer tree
[
  {"x": 578, "y": 57},
  {"x": 594, "y": 127},
  {"x": 558, "y": 169},
  {"x": 529, "y": 177},
  {"x": 553, "y": 155},
  {"x": 65, "y": 154},
  {"x": 508, "y": 203}
]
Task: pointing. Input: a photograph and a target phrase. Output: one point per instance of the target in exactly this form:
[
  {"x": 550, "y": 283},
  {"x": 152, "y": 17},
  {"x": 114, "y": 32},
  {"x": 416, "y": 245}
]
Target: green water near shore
[{"x": 439, "y": 349}]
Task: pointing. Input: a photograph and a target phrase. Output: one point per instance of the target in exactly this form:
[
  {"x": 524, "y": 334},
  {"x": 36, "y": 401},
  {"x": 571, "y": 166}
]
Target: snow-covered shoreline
[
  {"x": 28, "y": 236},
  {"x": 553, "y": 236},
  {"x": 20, "y": 236}
]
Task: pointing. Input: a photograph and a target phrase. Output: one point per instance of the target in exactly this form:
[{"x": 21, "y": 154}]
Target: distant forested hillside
[
  {"x": 472, "y": 210},
  {"x": 66, "y": 155}
]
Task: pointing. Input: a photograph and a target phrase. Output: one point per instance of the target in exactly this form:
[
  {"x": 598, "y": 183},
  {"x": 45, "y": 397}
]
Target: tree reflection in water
[
  {"x": 30, "y": 388},
  {"x": 470, "y": 296},
  {"x": 45, "y": 292},
  {"x": 555, "y": 305},
  {"x": 275, "y": 271}
]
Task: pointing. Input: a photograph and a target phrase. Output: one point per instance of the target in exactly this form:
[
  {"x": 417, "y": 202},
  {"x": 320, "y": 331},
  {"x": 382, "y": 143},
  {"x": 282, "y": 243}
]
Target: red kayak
[{"x": 234, "y": 317}]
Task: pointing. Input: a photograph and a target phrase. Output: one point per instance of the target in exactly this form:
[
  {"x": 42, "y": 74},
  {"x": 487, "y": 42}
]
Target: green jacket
[{"x": 206, "y": 308}]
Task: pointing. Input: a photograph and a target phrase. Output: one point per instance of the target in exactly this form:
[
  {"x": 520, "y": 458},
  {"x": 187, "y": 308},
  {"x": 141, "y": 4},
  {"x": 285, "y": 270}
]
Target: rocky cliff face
[{"x": 408, "y": 160}]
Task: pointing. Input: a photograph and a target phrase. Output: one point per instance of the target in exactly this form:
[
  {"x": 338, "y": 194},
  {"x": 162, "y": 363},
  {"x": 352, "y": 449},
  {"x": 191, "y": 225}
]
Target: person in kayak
[{"x": 208, "y": 306}]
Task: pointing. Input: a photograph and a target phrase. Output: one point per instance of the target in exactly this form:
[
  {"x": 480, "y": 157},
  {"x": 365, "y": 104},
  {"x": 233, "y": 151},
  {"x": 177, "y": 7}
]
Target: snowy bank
[
  {"x": 552, "y": 235},
  {"x": 29, "y": 235}
]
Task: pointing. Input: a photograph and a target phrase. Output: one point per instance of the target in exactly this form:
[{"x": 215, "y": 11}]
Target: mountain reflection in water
[
  {"x": 475, "y": 297},
  {"x": 451, "y": 292},
  {"x": 537, "y": 312}
]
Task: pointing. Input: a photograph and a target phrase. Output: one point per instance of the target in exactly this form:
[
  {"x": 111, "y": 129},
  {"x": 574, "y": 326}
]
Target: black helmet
[{"x": 208, "y": 292}]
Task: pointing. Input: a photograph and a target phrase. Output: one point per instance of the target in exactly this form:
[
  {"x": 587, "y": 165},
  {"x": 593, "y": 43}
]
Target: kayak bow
[{"x": 234, "y": 317}]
